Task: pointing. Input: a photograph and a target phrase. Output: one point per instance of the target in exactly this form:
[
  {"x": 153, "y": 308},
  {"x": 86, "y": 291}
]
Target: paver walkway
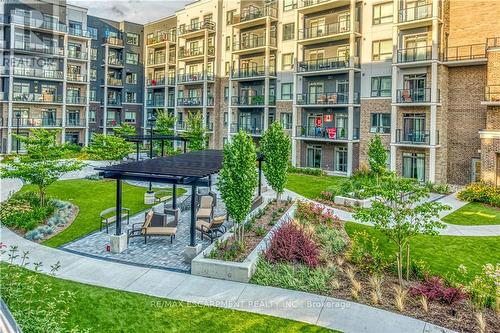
[
  {"x": 314, "y": 309},
  {"x": 450, "y": 229}
]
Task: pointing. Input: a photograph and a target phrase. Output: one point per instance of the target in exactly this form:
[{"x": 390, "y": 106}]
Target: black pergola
[
  {"x": 137, "y": 139},
  {"x": 193, "y": 168}
]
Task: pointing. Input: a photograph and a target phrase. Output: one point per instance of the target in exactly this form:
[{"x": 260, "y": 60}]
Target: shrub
[
  {"x": 333, "y": 241},
  {"x": 434, "y": 289},
  {"x": 438, "y": 188},
  {"x": 366, "y": 254},
  {"x": 24, "y": 212},
  {"x": 361, "y": 185},
  {"x": 310, "y": 212},
  {"x": 484, "y": 288},
  {"x": 306, "y": 171},
  {"x": 481, "y": 192},
  {"x": 292, "y": 244}
]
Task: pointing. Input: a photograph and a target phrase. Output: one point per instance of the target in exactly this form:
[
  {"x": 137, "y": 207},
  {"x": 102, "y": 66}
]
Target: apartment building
[{"x": 422, "y": 74}]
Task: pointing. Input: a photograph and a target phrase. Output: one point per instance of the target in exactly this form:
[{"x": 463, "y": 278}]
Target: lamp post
[{"x": 18, "y": 120}]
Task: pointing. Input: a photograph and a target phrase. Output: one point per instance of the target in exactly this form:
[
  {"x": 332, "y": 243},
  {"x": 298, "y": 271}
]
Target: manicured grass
[
  {"x": 92, "y": 197},
  {"x": 474, "y": 213},
  {"x": 107, "y": 310},
  {"x": 443, "y": 254},
  {"x": 311, "y": 186}
]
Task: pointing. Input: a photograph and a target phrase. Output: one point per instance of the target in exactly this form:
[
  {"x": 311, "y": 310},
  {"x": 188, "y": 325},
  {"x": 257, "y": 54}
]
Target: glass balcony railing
[
  {"x": 75, "y": 122},
  {"x": 37, "y": 23},
  {"x": 415, "y": 13},
  {"x": 190, "y": 101},
  {"x": 114, "y": 102},
  {"x": 326, "y": 29},
  {"x": 114, "y": 41},
  {"x": 38, "y": 98},
  {"x": 325, "y": 64},
  {"x": 38, "y": 122},
  {"x": 254, "y": 129},
  {"x": 412, "y": 136},
  {"x": 76, "y": 100},
  {"x": 39, "y": 73},
  {"x": 160, "y": 82},
  {"x": 414, "y": 54},
  {"x": 77, "y": 77},
  {"x": 325, "y": 132},
  {"x": 158, "y": 102},
  {"x": 325, "y": 98},
  {"x": 256, "y": 71},
  {"x": 112, "y": 122},
  {"x": 115, "y": 62},
  {"x": 79, "y": 32},
  {"x": 413, "y": 95},
  {"x": 111, "y": 81},
  {"x": 195, "y": 77},
  {"x": 39, "y": 48},
  {"x": 198, "y": 26},
  {"x": 79, "y": 55}
]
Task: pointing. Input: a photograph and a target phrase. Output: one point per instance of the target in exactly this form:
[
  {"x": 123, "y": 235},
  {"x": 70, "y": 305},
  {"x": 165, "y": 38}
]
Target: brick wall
[{"x": 369, "y": 106}]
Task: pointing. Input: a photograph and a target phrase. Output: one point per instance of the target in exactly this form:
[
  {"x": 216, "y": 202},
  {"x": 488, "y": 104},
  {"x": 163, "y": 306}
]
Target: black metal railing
[
  {"x": 156, "y": 102},
  {"x": 115, "y": 41},
  {"x": 115, "y": 62},
  {"x": 254, "y": 71},
  {"x": 161, "y": 81},
  {"x": 253, "y": 42},
  {"x": 465, "y": 52},
  {"x": 413, "y": 95},
  {"x": 157, "y": 60},
  {"x": 323, "y": 64},
  {"x": 492, "y": 93},
  {"x": 492, "y": 42},
  {"x": 160, "y": 37},
  {"x": 415, "y": 13},
  {"x": 252, "y": 12},
  {"x": 36, "y": 97},
  {"x": 422, "y": 53},
  {"x": 196, "y": 51},
  {"x": 39, "y": 48},
  {"x": 326, "y": 98},
  {"x": 202, "y": 25},
  {"x": 75, "y": 122},
  {"x": 76, "y": 100},
  {"x": 256, "y": 129},
  {"x": 39, "y": 122},
  {"x": 77, "y": 77},
  {"x": 195, "y": 77},
  {"x": 252, "y": 100},
  {"x": 325, "y": 132},
  {"x": 412, "y": 136},
  {"x": 37, "y": 23},
  {"x": 38, "y": 72},
  {"x": 326, "y": 30}
]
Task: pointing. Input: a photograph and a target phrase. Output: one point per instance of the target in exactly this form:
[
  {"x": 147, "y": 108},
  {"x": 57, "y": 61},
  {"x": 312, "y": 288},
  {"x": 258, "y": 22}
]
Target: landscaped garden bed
[{"x": 313, "y": 253}]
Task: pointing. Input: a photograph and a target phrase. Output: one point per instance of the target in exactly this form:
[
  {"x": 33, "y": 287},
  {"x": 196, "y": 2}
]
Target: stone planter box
[
  {"x": 230, "y": 270},
  {"x": 351, "y": 202}
]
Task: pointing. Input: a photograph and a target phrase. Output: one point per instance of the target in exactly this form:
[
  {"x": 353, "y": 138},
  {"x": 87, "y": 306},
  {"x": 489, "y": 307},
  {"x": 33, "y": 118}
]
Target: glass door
[
  {"x": 316, "y": 93},
  {"x": 416, "y": 48},
  {"x": 73, "y": 118},
  {"x": 340, "y": 162},
  {"x": 341, "y": 126},
  {"x": 415, "y": 85},
  {"x": 245, "y": 121},
  {"x": 316, "y": 28},
  {"x": 414, "y": 166},
  {"x": 344, "y": 22},
  {"x": 343, "y": 92},
  {"x": 314, "y": 156},
  {"x": 414, "y": 128},
  {"x": 49, "y": 117}
]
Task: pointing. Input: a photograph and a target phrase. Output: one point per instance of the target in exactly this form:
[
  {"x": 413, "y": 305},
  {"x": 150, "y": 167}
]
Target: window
[
  {"x": 228, "y": 43},
  {"x": 93, "y": 95},
  {"x": 287, "y": 91},
  {"x": 131, "y": 78},
  {"x": 132, "y": 58},
  {"x": 382, "y": 13},
  {"x": 226, "y": 117},
  {"x": 287, "y": 61},
  {"x": 341, "y": 159},
  {"x": 226, "y": 93},
  {"x": 230, "y": 16},
  {"x": 92, "y": 32},
  {"x": 381, "y": 86},
  {"x": 288, "y": 31},
  {"x": 93, "y": 74},
  {"x": 286, "y": 120},
  {"x": 93, "y": 53},
  {"x": 313, "y": 156},
  {"x": 227, "y": 69},
  {"x": 289, "y": 4},
  {"x": 130, "y": 117},
  {"x": 380, "y": 123},
  {"x": 132, "y": 39},
  {"x": 414, "y": 166},
  {"x": 382, "y": 50},
  {"x": 92, "y": 116},
  {"x": 131, "y": 97}
]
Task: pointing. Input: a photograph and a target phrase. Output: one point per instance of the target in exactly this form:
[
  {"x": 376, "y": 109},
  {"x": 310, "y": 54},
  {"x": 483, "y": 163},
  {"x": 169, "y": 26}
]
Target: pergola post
[
  {"x": 118, "y": 241},
  {"x": 192, "y": 241},
  {"x": 260, "y": 177},
  {"x": 185, "y": 144},
  {"x": 162, "y": 147},
  {"x": 174, "y": 196},
  {"x": 137, "y": 150}
]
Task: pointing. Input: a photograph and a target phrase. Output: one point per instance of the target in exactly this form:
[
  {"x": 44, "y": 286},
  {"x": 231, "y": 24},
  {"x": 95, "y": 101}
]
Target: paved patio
[{"x": 157, "y": 252}]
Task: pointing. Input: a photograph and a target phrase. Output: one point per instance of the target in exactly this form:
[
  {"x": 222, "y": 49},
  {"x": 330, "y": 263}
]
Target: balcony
[
  {"x": 312, "y": 6},
  {"x": 325, "y": 133},
  {"x": 414, "y": 17},
  {"x": 195, "y": 77},
  {"x": 79, "y": 33},
  {"x": 37, "y": 23},
  {"x": 252, "y": 72},
  {"x": 328, "y": 64},
  {"x": 190, "y": 101},
  {"x": 113, "y": 102},
  {"x": 4, "y": 45},
  {"x": 492, "y": 95},
  {"x": 37, "y": 98},
  {"x": 155, "y": 103},
  {"x": 250, "y": 129},
  {"x": 258, "y": 100},
  {"x": 196, "y": 52},
  {"x": 253, "y": 16},
  {"x": 413, "y": 96},
  {"x": 157, "y": 60},
  {"x": 196, "y": 29},
  {"x": 77, "y": 55},
  {"x": 249, "y": 45},
  {"x": 327, "y": 32},
  {"x": 325, "y": 99},
  {"x": 414, "y": 137},
  {"x": 73, "y": 77},
  {"x": 114, "y": 82},
  {"x": 39, "y": 73},
  {"x": 75, "y": 122},
  {"x": 39, "y": 48},
  {"x": 161, "y": 82},
  {"x": 472, "y": 54},
  {"x": 77, "y": 100},
  {"x": 414, "y": 54},
  {"x": 113, "y": 42},
  {"x": 39, "y": 122},
  {"x": 111, "y": 122},
  {"x": 160, "y": 38},
  {"x": 115, "y": 62},
  {"x": 4, "y": 96}
]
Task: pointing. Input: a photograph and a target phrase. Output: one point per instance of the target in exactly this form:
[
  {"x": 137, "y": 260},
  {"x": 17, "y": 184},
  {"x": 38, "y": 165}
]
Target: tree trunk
[
  {"x": 400, "y": 264},
  {"x": 408, "y": 262},
  {"x": 41, "y": 196}
]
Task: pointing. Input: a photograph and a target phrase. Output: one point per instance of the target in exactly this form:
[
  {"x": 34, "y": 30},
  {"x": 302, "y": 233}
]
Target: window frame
[
  {"x": 379, "y": 127},
  {"x": 285, "y": 66},
  {"x": 133, "y": 34},
  {"x": 381, "y": 56},
  {"x": 290, "y": 94},
  {"x": 292, "y": 32},
  {"x": 380, "y": 19},
  {"x": 378, "y": 92}
]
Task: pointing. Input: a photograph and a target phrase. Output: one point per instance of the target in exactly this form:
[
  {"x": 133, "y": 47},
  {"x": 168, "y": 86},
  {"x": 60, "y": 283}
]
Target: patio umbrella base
[
  {"x": 118, "y": 243},
  {"x": 190, "y": 252}
]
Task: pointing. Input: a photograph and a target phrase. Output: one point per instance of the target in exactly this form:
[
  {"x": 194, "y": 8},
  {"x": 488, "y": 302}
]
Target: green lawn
[
  {"x": 311, "y": 186},
  {"x": 443, "y": 254},
  {"x": 107, "y": 310},
  {"x": 474, "y": 213},
  {"x": 91, "y": 197}
]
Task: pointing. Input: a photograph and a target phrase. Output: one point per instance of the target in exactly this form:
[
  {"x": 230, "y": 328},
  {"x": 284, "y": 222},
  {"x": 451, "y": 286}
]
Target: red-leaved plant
[
  {"x": 291, "y": 243},
  {"x": 315, "y": 213},
  {"x": 433, "y": 288}
]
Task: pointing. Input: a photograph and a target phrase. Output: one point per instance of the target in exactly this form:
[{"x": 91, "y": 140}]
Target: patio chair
[
  {"x": 109, "y": 216},
  {"x": 212, "y": 229},
  {"x": 206, "y": 204},
  {"x": 156, "y": 224}
]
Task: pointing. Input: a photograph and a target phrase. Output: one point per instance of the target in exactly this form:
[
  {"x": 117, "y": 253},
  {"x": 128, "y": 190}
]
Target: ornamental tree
[
  {"x": 377, "y": 156},
  {"x": 238, "y": 179},
  {"x": 41, "y": 166},
  {"x": 195, "y": 132},
  {"x": 165, "y": 126},
  {"x": 276, "y": 147},
  {"x": 108, "y": 147},
  {"x": 125, "y": 130},
  {"x": 401, "y": 211}
]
